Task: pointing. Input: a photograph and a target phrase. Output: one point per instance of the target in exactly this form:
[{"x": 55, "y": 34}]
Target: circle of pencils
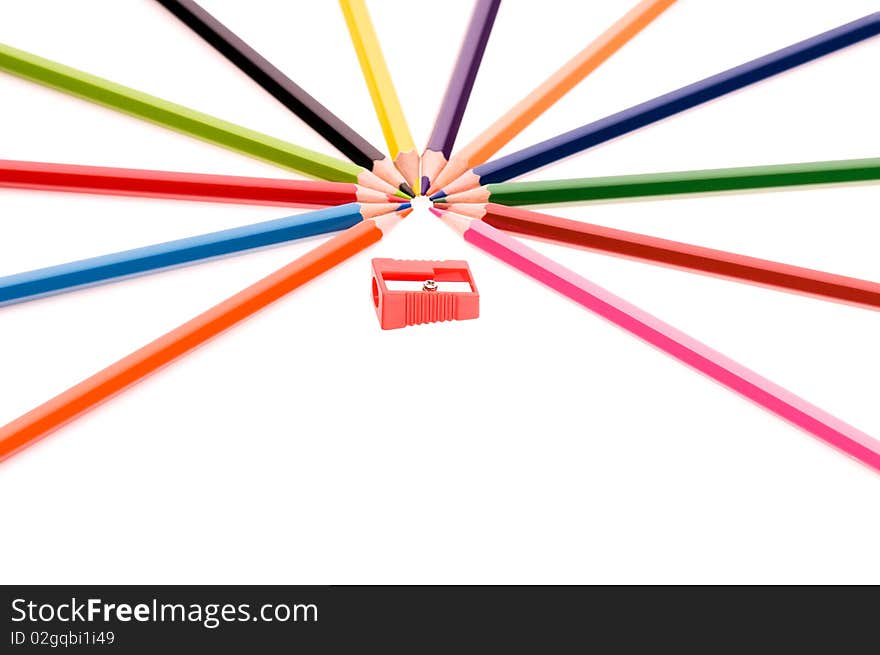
[{"x": 363, "y": 197}]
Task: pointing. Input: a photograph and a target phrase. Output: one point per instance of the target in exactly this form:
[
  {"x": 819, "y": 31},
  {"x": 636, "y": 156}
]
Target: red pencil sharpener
[{"x": 426, "y": 301}]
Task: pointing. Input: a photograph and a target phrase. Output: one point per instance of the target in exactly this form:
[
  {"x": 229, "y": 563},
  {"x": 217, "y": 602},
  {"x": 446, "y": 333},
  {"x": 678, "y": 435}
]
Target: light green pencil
[{"x": 188, "y": 121}]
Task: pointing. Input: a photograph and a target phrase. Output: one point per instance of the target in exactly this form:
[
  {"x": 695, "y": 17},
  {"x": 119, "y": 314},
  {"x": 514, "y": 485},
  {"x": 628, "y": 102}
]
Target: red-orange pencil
[{"x": 129, "y": 370}]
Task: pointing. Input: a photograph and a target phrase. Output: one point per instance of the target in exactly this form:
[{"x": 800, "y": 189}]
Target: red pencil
[
  {"x": 740, "y": 268},
  {"x": 183, "y": 186}
]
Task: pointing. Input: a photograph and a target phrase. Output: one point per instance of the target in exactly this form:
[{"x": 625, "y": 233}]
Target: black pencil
[{"x": 286, "y": 91}]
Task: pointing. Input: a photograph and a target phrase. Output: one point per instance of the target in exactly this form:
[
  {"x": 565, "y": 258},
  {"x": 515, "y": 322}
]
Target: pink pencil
[{"x": 734, "y": 376}]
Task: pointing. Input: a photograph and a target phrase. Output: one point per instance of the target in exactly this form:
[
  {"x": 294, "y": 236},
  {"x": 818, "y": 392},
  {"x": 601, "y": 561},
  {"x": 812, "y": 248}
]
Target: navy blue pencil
[
  {"x": 629, "y": 120},
  {"x": 105, "y": 268}
]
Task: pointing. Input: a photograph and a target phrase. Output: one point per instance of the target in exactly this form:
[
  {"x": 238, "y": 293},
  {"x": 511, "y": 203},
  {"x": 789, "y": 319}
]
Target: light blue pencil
[{"x": 105, "y": 268}]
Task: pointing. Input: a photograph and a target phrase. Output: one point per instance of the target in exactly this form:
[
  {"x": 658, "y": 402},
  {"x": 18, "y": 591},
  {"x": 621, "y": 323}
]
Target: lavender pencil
[{"x": 458, "y": 91}]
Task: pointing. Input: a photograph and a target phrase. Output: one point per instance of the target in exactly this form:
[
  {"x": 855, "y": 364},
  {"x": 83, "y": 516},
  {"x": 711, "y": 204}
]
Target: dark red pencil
[
  {"x": 741, "y": 268},
  {"x": 182, "y": 186}
]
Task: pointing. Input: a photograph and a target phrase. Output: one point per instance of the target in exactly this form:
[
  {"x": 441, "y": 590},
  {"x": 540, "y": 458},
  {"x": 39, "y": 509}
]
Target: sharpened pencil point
[
  {"x": 402, "y": 206},
  {"x": 407, "y": 189},
  {"x": 426, "y": 184},
  {"x": 400, "y": 194},
  {"x": 438, "y": 196},
  {"x": 458, "y": 223}
]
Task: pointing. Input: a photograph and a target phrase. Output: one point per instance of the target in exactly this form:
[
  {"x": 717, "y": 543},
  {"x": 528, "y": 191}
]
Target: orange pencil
[
  {"x": 133, "y": 368},
  {"x": 547, "y": 94}
]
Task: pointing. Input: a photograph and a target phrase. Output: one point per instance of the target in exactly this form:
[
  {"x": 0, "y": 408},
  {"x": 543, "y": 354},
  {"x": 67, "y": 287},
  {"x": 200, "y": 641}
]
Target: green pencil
[
  {"x": 185, "y": 120},
  {"x": 665, "y": 184}
]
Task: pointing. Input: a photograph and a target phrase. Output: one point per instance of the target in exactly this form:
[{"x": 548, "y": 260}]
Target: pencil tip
[
  {"x": 459, "y": 223},
  {"x": 407, "y": 189},
  {"x": 437, "y": 196},
  {"x": 403, "y": 205},
  {"x": 426, "y": 184}
]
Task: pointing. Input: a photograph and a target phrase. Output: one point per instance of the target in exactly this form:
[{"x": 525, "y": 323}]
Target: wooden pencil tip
[
  {"x": 373, "y": 209},
  {"x": 457, "y": 222},
  {"x": 433, "y": 161},
  {"x": 475, "y": 195},
  {"x": 471, "y": 210},
  {"x": 386, "y": 222},
  {"x": 407, "y": 189},
  {"x": 409, "y": 164}
]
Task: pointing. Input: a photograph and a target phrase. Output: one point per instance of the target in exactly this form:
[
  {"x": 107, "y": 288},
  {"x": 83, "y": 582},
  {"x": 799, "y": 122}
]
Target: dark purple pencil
[{"x": 459, "y": 90}]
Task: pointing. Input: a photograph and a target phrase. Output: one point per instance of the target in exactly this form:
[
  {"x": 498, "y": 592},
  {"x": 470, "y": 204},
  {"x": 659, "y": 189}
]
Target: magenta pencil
[{"x": 670, "y": 340}]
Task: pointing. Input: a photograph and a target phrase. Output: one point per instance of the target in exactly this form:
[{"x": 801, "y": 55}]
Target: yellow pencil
[{"x": 385, "y": 100}]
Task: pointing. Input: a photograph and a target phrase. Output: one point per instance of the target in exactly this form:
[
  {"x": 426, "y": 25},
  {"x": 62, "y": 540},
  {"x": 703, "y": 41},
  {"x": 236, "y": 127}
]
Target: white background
[{"x": 536, "y": 444}]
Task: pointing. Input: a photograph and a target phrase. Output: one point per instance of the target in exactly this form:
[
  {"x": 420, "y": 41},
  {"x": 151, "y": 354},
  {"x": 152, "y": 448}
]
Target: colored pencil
[
  {"x": 382, "y": 91},
  {"x": 106, "y": 180},
  {"x": 540, "y": 99},
  {"x": 153, "y": 258},
  {"x": 685, "y": 256},
  {"x": 286, "y": 91},
  {"x": 629, "y": 120},
  {"x": 745, "y": 178},
  {"x": 458, "y": 91},
  {"x": 661, "y": 335},
  {"x": 185, "y": 120},
  {"x": 133, "y": 368}
]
